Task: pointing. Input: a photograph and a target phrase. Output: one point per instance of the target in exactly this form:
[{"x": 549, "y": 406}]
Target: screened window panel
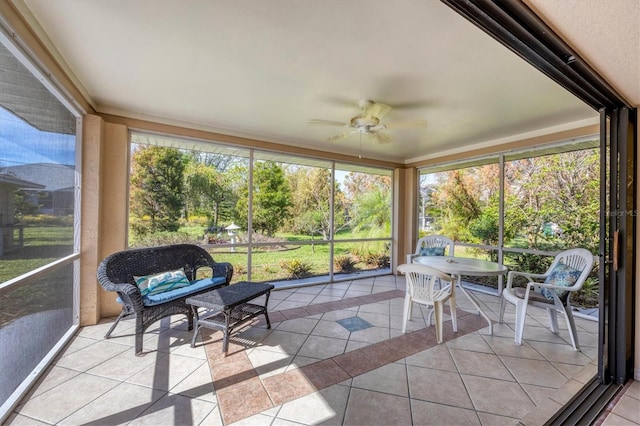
[
  {"x": 37, "y": 196},
  {"x": 33, "y": 318},
  {"x": 285, "y": 210}
]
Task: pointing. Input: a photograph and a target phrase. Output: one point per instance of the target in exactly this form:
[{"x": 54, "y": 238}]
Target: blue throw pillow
[
  {"x": 431, "y": 251},
  {"x": 159, "y": 283},
  {"x": 561, "y": 275}
]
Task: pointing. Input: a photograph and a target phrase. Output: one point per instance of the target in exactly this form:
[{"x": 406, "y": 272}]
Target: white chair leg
[
  {"x": 571, "y": 325},
  {"x": 410, "y": 317},
  {"x": 454, "y": 318},
  {"x": 429, "y": 316},
  {"x": 503, "y": 303},
  {"x": 521, "y": 314},
  {"x": 553, "y": 320},
  {"x": 437, "y": 307},
  {"x": 406, "y": 312}
]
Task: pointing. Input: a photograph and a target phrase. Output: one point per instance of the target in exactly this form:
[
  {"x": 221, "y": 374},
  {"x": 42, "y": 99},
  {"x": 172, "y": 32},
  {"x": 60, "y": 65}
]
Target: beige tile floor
[
  {"x": 624, "y": 410},
  {"x": 475, "y": 378}
]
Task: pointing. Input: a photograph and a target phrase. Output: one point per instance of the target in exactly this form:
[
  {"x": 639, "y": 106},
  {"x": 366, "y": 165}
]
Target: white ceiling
[{"x": 262, "y": 69}]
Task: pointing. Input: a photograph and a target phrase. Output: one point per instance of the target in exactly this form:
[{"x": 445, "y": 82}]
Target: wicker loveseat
[{"x": 119, "y": 271}]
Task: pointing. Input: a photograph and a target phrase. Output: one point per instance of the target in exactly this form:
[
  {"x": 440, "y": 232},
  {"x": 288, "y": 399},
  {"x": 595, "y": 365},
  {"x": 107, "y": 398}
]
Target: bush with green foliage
[
  {"x": 239, "y": 269},
  {"x": 345, "y": 263},
  {"x": 528, "y": 262},
  {"x": 162, "y": 238},
  {"x": 378, "y": 260},
  {"x": 588, "y": 295},
  {"x": 295, "y": 268}
]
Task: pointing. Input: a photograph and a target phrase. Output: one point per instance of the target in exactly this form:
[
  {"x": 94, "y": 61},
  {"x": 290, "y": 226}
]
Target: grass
[
  {"x": 266, "y": 260},
  {"x": 41, "y": 245},
  {"x": 266, "y": 264}
]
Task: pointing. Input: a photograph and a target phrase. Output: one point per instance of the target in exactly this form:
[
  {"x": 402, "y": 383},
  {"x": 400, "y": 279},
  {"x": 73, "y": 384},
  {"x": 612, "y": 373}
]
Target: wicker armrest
[{"x": 223, "y": 269}]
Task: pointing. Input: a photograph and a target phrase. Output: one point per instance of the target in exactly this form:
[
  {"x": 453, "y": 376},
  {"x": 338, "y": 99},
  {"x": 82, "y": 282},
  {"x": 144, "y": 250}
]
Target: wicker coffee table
[{"x": 229, "y": 307}]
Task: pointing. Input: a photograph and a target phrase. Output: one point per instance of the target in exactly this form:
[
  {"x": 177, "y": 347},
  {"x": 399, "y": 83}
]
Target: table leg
[
  {"x": 197, "y": 325},
  {"x": 475, "y": 303},
  {"x": 266, "y": 313},
  {"x": 225, "y": 335}
]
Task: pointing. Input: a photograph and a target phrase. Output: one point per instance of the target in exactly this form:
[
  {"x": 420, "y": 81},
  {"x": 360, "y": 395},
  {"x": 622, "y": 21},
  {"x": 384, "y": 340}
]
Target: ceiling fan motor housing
[{"x": 366, "y": 124}]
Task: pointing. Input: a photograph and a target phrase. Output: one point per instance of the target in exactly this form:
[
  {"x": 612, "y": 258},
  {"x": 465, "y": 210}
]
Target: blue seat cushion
[
  {"x": 561, "y": 275},
  {"x": 196, "y": 286},
  {"x": 431, "y": 251}
]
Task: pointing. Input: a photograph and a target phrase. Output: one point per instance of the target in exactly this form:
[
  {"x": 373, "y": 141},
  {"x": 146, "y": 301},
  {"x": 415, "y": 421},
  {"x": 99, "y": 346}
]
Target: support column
[
  {"x": 92, "y": 138},
  {"x": 404, "y": 214},
  {"x": 103, "y": 210}
]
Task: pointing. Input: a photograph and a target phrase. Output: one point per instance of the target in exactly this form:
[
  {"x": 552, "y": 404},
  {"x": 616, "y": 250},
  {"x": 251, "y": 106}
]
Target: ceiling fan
[{"x": 368, "y": 122}]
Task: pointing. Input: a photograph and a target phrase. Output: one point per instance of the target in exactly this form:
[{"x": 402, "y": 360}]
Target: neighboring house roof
[
  {"x": 20, "y": 183},
  {"x": 51, "y": 177}
]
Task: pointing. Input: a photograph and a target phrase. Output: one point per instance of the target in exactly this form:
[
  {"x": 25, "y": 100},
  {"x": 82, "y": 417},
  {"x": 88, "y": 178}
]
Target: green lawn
[
  {"x": 266, "y": 262},
  {"x": 42, "y": 245}
]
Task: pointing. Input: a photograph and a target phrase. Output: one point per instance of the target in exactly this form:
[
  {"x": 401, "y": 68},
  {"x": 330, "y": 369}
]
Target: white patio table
[{"x": 465, "y": 266}]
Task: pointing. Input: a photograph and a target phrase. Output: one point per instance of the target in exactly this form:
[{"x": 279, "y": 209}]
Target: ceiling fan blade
[
  {"x": 372, "y": 109},
  {"x": 414, "y": 104},
  {"x": 382, "y": 137},
  {"x": 407, "y": 124},
  {"x": 336, "y": 138},
  {"x": 320, "y": 122}
]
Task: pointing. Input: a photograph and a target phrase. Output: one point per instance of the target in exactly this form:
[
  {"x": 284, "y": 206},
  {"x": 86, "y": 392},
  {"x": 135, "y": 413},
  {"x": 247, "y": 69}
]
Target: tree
[
  {"x": 457, "y": 198},
  {"x": 560, "y": 190},
  {"x": 271, "y": 198},
  {"x": 208, "y": 192},
  {"x": 373, "y": 211},
  {"x": 368, "y": 201},
  {"x": 311, "y": 196},
  {"x": 24, "y": 203},
  {"x": 156, "y": 189},
  {"x": 486, "y": 226}
]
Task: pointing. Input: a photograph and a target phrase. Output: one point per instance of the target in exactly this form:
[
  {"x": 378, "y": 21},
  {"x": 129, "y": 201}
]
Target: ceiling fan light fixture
[{"x": 360, "y": 122}]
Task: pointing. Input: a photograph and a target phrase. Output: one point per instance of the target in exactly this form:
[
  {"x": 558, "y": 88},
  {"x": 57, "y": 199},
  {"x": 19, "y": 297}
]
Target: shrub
[
  {"x": 588, "y": 295},
  {"x": 378, "y": 260},
  {"x": 162, "y": 238},
  {"x": 239, "y": 269},
  {"x": 345, "y": 263},
  {"x": 269, "y": 269},
  {"x": 357, "y": 252},
  {"x": 527, "y": 262},
  {"x": 275, "y": 242},
  {"x": 296, "y": 268}
]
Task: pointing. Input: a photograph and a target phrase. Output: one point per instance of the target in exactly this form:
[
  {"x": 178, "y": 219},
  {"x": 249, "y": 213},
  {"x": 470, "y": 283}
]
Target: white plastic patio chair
[
  {"x": 551, "y": 290},
  {"x": 421, "y": 289},
  {"x": 432, "y": 245}
]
